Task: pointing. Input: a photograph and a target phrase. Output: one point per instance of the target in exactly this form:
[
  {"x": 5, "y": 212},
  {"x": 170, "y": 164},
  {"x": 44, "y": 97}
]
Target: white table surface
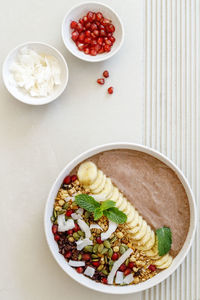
[
  {"x": 37, "y": 142},
  {"x": 155, "y": 102}
]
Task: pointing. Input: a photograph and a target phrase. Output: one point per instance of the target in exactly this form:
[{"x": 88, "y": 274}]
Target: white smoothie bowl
[
  {"x": 81, "y": 10},
  {"x": 19, "y": 93},
  {"x": 111, "y": 289}
]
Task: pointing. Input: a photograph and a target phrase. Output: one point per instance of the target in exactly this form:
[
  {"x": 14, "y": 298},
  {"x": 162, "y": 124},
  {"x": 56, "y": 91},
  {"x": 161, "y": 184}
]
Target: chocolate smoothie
[{"x": 153, "y": 189}]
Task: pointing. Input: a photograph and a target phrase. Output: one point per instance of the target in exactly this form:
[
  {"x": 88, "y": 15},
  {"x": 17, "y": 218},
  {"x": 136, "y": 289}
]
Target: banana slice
[
  {"x": 149, "y": 244},
  {"x": 108, "y": 188},
  {"x": 100, "y": 187},
  {"x": 162, "y": 260},
  {"x": 98, "y": 181},
  {"x": 115, "y": 194},
  {"x": 134, "y": 230},
  {"x": 154, "y": 249},
  {"x": 138, "y": 236},
  {"x": 119, "y": 200},
  {"x": 123, "y": 205},
  {"x": 87, "y": 173},
  {"x": 128, "y": 208},
  {"x": 155, "y": 257},
  {"x": 134, "y": 221},
  {"x": 146, "y": 237},
  {"x": 167, "y": 264}
]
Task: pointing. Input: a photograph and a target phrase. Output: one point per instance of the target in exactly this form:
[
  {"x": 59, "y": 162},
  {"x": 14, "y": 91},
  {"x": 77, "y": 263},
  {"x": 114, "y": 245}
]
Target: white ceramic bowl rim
[
  {"x": 107, "y": 288},
  {"x": 101, "y": 57},
  {"x": 44, "y": 100}
]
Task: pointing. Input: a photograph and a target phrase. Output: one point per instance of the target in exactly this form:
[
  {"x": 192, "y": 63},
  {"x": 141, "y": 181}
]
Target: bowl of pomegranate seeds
[{"x": 92, "y": 31}]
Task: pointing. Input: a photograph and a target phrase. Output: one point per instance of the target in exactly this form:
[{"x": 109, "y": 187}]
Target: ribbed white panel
[{"x": 171, "y": 112}]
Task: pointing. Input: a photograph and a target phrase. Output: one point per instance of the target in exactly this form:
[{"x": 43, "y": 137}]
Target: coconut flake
[
  {"x": 95, "y": 226},
  {"x": 64, "y": 225},
  {"x": 79, "y": 211},
  {"x": 128, "y": 279},
  {"x": 76, "y": 216},
  {"x": 85, "y": 228},
  {"x": 111, "y": 228},
  {"x": 117, "y": 264},
  {"x": 83, "y": 243},
  {"x": 119, "y": 277},
  {"x": 89, "y": 271},
  {"x": 75, "y": 263},
  {"x": 67, "y": 199}
]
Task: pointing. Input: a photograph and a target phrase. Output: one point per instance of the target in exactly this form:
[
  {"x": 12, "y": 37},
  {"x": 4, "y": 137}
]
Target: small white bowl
[
  {"x": 19, "y": 93},
  {"x": 81, "y": 10},
  {"x": 111, "y": 289}
]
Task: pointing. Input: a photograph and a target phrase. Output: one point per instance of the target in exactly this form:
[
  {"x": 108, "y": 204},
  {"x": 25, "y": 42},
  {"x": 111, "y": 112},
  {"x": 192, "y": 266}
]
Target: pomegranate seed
[
  {"x": 100, "y": 41},
  {"x": 56, "y": 237},
  {"x": 97, "y": 47},
  {"x": 91, "y": 16},
  {"x": 93, "y": 26},
  {"x": 110, "y": 90},
  {"x": 122, "y": 267},
  {"x": 107, "y": 48},
  {"x": 106, "y": 21},
  {"x": 112, "y": 39},
  {"x": 93, "y": 35},
  {"x": 73, "y": 178},
  {"x": 98, "y": 239},
  {"x": 67, "y": 180},
  {"x": 104, "y": 280},
  {"x": 81, "y": 37},
  {"x": 96, "y": 32},
  {"x": 85, "y": 19},
  {"x": 97, "y": 23},
  {"x": 81, "y": 21},
  {"x": 115, "y": 256},
  {"x": 93, "y": 52},
  {"x": 93, "y": 42},
  {"x": 54, "y": 229},
  {"x": 75, "y": 35},
  {"x": 70, "y": 231},
  {"x": 87, "y": 51},
  {"x": 152, "y": 268},
  {"x": 100, "y": 81},
  {"x": 102, "y": 32},
  {"x": 110, "y": 28},
  {"x": 108, "y": 42},
  {"x": 106, "y": 74},
  {"x": 99, "y": 16},
  {"x": 68, "y": 254},
  {"x": 69, "y": 212},
  {"x": 79, "y": 27},
  {"x": 101, "y": 27},
  {"x": 73, "y": 25},
  {"x": 88, "y": 33},
  {"x": 87, "y": 40},
  {"x": 79, "y": 270},
  {"x": 101, "y": 50},
  {"x": 96, "y": 264},
  {"x": 76, "y": 228},
  {"x": 88, "y": 25},
  {"x": 86, "y": 256},
  {"x": 131, "y": 265},
  {"x": 127, "y": 271}
]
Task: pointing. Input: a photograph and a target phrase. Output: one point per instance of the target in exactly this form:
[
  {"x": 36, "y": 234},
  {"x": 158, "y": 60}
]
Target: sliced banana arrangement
[{"x": 140, "y": 233}]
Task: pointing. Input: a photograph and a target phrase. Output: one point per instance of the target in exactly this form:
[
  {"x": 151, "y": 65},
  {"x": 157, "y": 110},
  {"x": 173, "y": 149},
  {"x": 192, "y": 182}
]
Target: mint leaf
[
  {"x": 164, "y": 235},
  {"x": 87, "y": 202},
  {"x": 107, "y": 204},
  {"x": 98, "y": 213},
  {"x": 115, "y": 215}
]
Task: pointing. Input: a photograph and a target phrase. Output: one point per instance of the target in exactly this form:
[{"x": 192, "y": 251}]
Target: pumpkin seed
[
  {"x": 100, "y": 268},
  {"x": 100, "y": 248},
  {"x": 127, "y": 262},
  {"x": 88, "y": 248},
  {"x": 104, "y": 251},
  {"x": 79, "y": 257},
  {"x": 95, "y": 259},
  {"x": 111, "y": 262},
  {"x": 125, "y": 246},
  {"x": 76, "y": 236},
  {"x": 110, "y": 252},
  {"x": 74, "y": 204},
  {"x": 95, "y": 248},
  {"x": 53, "y": 219},
  {"x": 62, "y": 211},
  {"x": 107, "y": 244},
  {"x": 122, "y": 249},
  {"x": 110, "y": 268},
  {"x": 54, "y": 213},
  {"x": 104, "y": 272},
  {"x": 113, "y": 239},
  {"x": 66, "y": 205},
  {"x": 91, "y": 238},
  {"x": 87, "y": 214},
  {"x": 80, "y": 233},
  {"x": 94, "y": 256}
]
